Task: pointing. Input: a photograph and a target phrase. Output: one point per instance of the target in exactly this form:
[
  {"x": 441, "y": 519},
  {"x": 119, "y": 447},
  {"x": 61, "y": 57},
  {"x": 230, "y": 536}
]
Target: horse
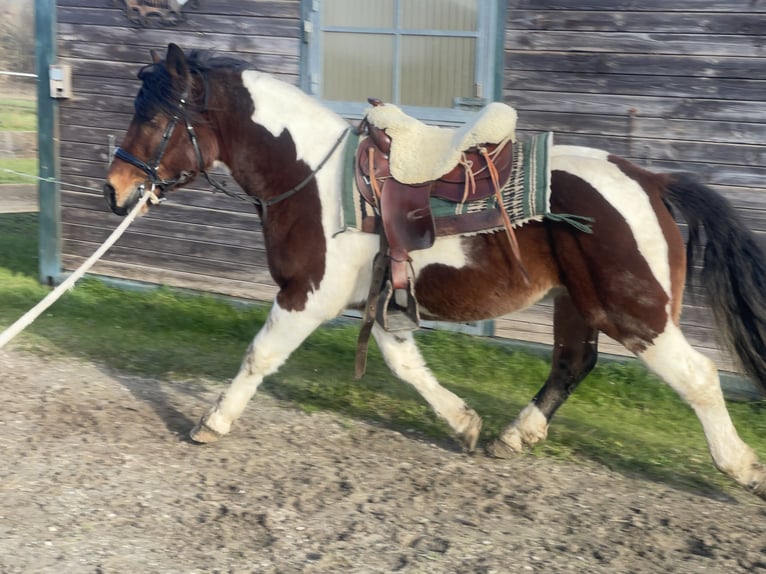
[{"x": 625, "y": 278}]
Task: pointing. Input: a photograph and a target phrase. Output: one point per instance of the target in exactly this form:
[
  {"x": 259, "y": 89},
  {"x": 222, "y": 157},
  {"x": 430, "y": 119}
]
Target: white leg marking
[
  {"x": 529, "y": 428},
  {"x": 283, "y": 332},
  {"x": 695, "y": 378},
  {"x": 405, "y": 361}
]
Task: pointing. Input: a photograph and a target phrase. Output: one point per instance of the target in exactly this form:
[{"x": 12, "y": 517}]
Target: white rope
[
  {"x": 47, "y": 179},
  {"x": 51, "y": 298}
]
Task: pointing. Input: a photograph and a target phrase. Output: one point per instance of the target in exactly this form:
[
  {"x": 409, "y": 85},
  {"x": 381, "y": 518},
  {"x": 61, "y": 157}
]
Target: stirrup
[{"x": 392, "y": 316}]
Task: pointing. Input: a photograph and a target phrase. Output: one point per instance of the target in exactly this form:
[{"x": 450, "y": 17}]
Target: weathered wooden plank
[
  {"x": 689, "y": 22},
  {"x": 247, "y": 289},
  {"x": 645, "y": 127},
  {"x": 196, "y": 23},
  {"x": 258, "y": 53},
  {"x": 262, "y": 8},
  {"x": 186, "y": 264},
  {"x": 731, "y": 154},
  {"x": 712, "y": 173},
  {"x": 139, "y": 239},
  {"x": 636, "y": 84},
  {"x": 96, "y": 135},
  {"x": 122, "y": 71},
  {"x": 168, "y": 212},
  {"x": 669, "y": 65},
  {"x": 198, "y": 194},
  {"x": 217, "y": 30},
  {"x": 644, "y": 106},
  {"x": 252, "y": 239},
  {"x": 638, "y": 43},
  {"x": 641, "y": 5}
]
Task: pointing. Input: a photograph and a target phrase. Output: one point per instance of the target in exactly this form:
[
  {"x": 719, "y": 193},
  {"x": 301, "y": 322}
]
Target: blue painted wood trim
[{"x": 47, "y": 145}]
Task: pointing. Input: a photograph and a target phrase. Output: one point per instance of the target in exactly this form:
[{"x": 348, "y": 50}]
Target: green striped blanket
[{"x": 526, "y": 194}]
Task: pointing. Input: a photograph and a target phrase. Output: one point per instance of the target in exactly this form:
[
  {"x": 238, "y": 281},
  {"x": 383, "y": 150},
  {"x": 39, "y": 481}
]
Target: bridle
[{"x": 150, "y": 168}]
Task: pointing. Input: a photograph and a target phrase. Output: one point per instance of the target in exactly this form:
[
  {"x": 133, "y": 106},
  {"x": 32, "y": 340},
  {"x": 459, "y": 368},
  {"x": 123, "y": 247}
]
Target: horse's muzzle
[{"x": 110, "y": 195}]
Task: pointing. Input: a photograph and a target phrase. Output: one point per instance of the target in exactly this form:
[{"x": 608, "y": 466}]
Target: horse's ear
[
  {"x": 176, "y": 64},
  {"x": 156, "y": 58}
]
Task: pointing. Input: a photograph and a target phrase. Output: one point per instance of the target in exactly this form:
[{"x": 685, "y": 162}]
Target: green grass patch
[
  {"x": 621, "y": 416},
  {"x": 25, "y": 166},
  {"x": 18, "y": 114}
]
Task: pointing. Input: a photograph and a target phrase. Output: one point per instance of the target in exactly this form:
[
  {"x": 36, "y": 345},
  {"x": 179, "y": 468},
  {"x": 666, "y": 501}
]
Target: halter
[{"x": 150, "y": 168}]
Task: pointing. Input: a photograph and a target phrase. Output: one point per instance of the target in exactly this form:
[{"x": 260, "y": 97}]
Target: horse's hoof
[
  {"x": 758, "y": 489},
  {"x": 758, "y": 485},
  {"x": 469, "y": 436},
  {"x": 202, "y": 433},
  {"x": 500, "y": 449}
]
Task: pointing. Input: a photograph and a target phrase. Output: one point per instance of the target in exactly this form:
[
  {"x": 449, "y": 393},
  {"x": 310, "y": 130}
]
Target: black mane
[{"x": 157, "y": 93}]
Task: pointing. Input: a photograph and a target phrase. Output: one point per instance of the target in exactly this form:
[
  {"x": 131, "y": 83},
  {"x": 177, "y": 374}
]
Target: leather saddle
[{"x": 464, "y": 168}]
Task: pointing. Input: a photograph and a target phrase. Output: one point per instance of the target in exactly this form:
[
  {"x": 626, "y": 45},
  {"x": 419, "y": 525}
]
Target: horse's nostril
[{"x": 109, "y": 193}]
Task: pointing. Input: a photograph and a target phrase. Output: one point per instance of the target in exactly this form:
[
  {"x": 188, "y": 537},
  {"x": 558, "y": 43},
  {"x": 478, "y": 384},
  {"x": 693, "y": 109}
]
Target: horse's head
[{"x": 168, "y": 142}]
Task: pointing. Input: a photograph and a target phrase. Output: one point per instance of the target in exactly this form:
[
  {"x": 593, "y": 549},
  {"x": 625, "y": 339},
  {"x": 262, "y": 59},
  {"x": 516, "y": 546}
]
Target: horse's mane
[{"x": 157, "y": 93}]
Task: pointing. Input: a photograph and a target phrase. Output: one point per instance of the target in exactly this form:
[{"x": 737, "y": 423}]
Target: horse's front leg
[
  {"x": 283, "y": 332},
  {"x": 405, "y": 361}
]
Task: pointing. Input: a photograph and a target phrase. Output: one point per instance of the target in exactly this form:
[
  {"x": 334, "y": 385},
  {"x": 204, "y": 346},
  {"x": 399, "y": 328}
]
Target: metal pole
[{"x": 47, "y": 144}]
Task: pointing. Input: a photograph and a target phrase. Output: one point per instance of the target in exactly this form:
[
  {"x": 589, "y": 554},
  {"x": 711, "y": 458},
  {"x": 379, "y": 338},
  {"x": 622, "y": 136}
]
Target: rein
[
  {"x": 264, "y": 204},
  {"x": 150, "y": 168}
]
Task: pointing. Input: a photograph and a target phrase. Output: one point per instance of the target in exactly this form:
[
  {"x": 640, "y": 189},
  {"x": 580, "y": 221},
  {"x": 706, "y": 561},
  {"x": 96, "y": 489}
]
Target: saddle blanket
[{"x": 526, "y": 193}]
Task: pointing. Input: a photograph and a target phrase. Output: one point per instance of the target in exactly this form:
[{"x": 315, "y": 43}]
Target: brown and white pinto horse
[{"x": 625, "y": 279}]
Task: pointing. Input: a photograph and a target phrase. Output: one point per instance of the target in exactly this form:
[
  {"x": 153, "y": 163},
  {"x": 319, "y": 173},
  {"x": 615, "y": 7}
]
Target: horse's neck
[
  {"x": 282, "y": 109},
  {"x": 280, "y": 106}
]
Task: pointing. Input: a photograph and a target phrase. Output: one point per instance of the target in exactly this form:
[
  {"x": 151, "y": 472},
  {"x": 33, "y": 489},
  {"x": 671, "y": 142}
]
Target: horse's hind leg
[
  {"x": 405, "y": 361},
  {"x": 695, "y": 378},
  {"x": 283, "y": 332},
  {"x": 575, "y": 351}
]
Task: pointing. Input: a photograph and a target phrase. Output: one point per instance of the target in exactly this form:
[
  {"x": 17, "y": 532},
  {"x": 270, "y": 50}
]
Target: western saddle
[{"x": 400, "y": 165}]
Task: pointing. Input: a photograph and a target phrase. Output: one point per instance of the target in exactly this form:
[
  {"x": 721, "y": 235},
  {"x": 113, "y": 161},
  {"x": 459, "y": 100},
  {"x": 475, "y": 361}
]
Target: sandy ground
[{"x": 98, "y": 477}]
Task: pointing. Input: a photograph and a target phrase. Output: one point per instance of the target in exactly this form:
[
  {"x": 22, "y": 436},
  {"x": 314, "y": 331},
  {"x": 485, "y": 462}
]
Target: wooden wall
[{"x": 671, "y": 84}]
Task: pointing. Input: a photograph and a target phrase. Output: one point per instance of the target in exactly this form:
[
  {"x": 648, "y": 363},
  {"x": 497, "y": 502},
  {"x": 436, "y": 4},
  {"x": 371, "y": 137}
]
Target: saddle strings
[{"x": 506, "y": 220}]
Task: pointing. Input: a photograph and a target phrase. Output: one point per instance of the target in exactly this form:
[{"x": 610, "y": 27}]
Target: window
[{"x": 438, "y": 59}]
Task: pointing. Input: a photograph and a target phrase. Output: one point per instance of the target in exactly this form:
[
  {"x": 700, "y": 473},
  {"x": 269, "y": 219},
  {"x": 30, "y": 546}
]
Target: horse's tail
[{"x": 733, "y": 272}]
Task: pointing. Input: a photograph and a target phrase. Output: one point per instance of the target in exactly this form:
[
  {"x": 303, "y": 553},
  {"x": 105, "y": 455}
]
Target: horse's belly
[{"x": 487, "y": 282}]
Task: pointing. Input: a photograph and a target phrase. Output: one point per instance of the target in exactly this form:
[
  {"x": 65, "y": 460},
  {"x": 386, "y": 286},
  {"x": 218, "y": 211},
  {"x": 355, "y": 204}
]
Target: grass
[
  {"x": 19, "y": 165},
  {"x": 621, "y": 417},
  {"x": 18, "y": 114}
]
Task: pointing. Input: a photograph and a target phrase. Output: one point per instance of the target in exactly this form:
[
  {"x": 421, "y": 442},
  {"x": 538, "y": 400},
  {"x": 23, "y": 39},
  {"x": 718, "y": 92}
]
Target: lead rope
[{"x": 25, "y": 320}]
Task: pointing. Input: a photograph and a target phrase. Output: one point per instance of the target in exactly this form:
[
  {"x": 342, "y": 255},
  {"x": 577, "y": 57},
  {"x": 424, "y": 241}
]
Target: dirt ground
[{"x": 97, "y": 476}]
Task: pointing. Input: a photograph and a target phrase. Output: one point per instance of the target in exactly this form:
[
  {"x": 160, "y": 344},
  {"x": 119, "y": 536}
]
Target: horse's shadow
[
  {"x": 174, "y": 401},
  {"x": 164, "y": 398}
]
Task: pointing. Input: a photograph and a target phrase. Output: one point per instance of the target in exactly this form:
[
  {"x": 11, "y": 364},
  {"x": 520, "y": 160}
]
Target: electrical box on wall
[{"x": 60, "y": 76}]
